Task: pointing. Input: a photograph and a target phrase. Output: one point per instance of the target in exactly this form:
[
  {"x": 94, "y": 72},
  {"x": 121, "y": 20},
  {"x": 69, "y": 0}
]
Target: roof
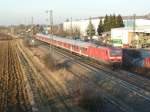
[
  {"x": 144, "y": 29},
  {"x": 124, "y": 17},
  {"x": 136, "y": 17}
]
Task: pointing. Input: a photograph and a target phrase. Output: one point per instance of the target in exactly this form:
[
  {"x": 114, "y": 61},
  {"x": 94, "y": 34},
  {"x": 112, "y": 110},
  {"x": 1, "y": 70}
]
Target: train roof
[
  {"x": 73, "y": 42},
  {"x": 140, "y": 49},
  {"x": 70, "y": 41}
]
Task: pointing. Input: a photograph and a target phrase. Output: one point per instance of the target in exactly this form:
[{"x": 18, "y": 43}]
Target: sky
[{"x": 21, "y": 11}]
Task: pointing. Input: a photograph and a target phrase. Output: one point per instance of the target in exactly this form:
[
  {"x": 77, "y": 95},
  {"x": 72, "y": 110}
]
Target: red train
[{"x": 107, "y": 55}]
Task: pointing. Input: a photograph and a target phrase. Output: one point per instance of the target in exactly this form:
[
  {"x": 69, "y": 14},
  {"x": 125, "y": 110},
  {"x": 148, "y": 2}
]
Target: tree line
[{"x": 105, "y": 25}]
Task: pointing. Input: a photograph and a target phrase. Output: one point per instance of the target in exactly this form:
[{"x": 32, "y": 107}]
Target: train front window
[{"x": 115, "y": 53}]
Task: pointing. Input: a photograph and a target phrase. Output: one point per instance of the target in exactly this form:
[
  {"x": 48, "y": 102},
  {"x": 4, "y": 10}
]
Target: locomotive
[
  {"x": 107, "y": 55},
  {"x": 137, "y": 60}
]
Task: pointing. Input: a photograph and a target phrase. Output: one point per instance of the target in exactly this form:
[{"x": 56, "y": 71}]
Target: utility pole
[
  {"x": 32, "y": 31},
  {"x": 32, "y": 21},
  {"x": 71, "y": 26},
  {"x": 134, "y": 33},
  {"x": 50, "y": 12},
  {"x": 32, "y": 26},
  {"x": 25, "y": 23},
  {"x": 134, "y": 25},
  {"x": 51, "y": 24},
  {"x": 134, "y": 29}
]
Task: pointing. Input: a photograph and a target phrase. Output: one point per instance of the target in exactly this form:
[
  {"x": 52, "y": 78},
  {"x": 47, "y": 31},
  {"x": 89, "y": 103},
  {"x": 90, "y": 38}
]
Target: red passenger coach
[
  {"x": 104, "y": 54},
  {"x": 99, "y": 53}
]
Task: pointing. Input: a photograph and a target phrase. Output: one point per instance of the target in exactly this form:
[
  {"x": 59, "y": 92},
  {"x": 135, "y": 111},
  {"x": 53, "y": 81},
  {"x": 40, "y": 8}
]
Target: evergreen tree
[
  {"x": 100, "y": 28},
  {"x": 41, "y": 29},
  {"x": 110, "y": 21},
  {"x": 90, "y": 29},
  {"x": 119, "y": 21},
  {"x": 114, "y": 21},
  {"x": 106, "y": 23}
]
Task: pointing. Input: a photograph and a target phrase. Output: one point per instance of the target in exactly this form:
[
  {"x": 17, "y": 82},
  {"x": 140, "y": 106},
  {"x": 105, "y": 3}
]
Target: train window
[
  {"x": 115, "y": 53},
  {"x": 76, "y": 47}
]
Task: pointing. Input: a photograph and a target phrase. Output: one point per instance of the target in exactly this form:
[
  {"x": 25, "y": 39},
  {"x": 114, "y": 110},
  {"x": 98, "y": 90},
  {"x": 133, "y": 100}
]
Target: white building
[{"x": 81, "y": 25}]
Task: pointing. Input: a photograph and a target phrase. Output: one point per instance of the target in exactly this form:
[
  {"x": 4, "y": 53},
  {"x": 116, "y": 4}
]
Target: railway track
[
  {"x": 142, "y": 95},
  {"x": 125, "y": 85},
  {"x": 23, "y": 87},
  {"x": 13, "y": 93},
  {"x": 47, "y": 97},
  {"x": 134, "y": 79},
  {"x": 33, "y": 85},
  {"x": 47, "y": 89},
  {"x": 129, "y": 77}
]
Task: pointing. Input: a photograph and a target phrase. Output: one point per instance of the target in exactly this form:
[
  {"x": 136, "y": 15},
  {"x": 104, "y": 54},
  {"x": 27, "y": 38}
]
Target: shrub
[{"x": 50, "y": 61}]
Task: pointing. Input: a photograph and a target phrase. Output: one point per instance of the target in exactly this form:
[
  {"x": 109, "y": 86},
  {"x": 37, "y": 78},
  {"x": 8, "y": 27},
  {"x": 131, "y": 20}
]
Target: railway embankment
[
  {"x": 79, "y": 79},
  {"x": 52, "y": 90}
]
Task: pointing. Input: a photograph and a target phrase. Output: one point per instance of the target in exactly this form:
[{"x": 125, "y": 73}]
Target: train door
[
  {"x": 91, "y": 52},
  {"x": 71, "y": 47},
  {"x": 84, "y": 51},
  {"x": 77, "y": 49}
]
